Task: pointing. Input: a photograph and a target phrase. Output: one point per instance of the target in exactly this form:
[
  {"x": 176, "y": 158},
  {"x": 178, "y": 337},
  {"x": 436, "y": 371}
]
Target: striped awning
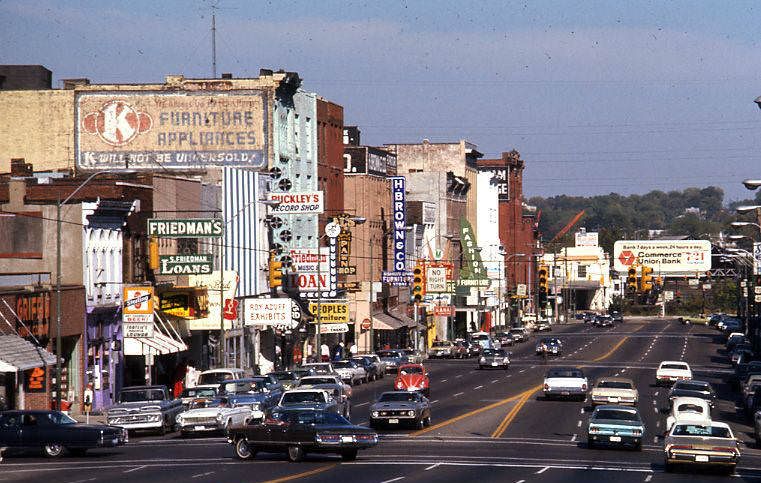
[
  {"x": 19, "y": 354},
  {"x": 383, "y": 321}
]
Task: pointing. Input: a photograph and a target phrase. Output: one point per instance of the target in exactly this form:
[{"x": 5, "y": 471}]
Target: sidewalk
[{"x": 94, "y": 418}]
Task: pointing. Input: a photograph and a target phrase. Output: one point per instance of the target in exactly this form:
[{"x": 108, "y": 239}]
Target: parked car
[
  {"x": 519, "y": 334},
  {"x": 743, "y": 370},
  {"x": 319, "y": 367},
  {"x": 350, "y": 372},
  {"x": 214, "y": 416},
  {"x": 315, "y": 399},
  {"x": 494, "y": 358},
  {"x": 566, "y": 382},
  {"x": 701, "y": 445},
  {"x": 413, "y": 378},
  {"x": 692, "y": 388},
  {"x": 615, "y": 425},
  {"x": 393, "y": 358},
  {"x": 689, "y": 410},
  {"x": 322, "y": 379},
  {"x": 256, "y": 393},
  {"x": 735, "y": 338},
  {"x": 401, "y": 407},
  {"x": 54, "y": 432},
  {"x": 380, "y": 363},
  {"x": 205, "y": 392},
  {"x": 217, "y": 376},
  {"x": 550, "y": 345},
  {"x": 617, "y": 316},
  {"x": 288, "y": 379},
  {"x": 672, "y": 371},
  {"x": 614, "y": 390},
  {"x": 298, "y": 432},
  {"x": 504, "y": 339},
  {"x": 144, "y": 408},
  {"x": 370, "y": 366},
  {"x": 442, "y": 349},
  {"x": 543, "y": 325}
]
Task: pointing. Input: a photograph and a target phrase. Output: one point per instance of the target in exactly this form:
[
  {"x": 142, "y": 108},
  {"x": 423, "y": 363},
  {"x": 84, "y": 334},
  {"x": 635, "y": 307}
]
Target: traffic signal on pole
[
  {"x": 418, "y": 283},
  {"x": 153, "y": 253},
  {"x": 276, "y": 272},
  {"x": 646, "y": 282},
  {"x": 631, "y": 280},
  {"x": 543, "y": 274}
]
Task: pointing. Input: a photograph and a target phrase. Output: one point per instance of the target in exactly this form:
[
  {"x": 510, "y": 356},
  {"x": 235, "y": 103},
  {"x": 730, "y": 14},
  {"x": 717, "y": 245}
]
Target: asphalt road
[{"x": 487, "y": 425}]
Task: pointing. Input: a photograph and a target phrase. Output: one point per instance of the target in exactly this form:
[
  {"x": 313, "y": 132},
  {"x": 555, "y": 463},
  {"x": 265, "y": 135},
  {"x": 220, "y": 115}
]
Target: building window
[{"x": 583, "y": 271}]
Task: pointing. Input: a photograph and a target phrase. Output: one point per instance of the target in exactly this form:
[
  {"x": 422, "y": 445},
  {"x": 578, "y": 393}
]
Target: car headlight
[
  {"x": 410, "y": 413},
  {"x": 375, "y": 414},
  {"x": 219, "y": 417},
  {"x": 399, "y": 385},
  {"x": 482, "y": 360},
  {"x": 179, "y": 419},
  {"x": 593, "y": 430},
  {"x": 637, "y": 432}
]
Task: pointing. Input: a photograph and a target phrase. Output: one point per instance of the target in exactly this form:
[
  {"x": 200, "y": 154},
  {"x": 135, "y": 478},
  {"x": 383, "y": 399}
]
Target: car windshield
[
  {"x": 312, "y": 380},
  {"x": 283, "y": 376},
  {"x": 138, "y": 395},
  {"x": 698, "y": 430},
  {"x": 692, "y": 386},
  {"x": 398, "y": 397},
  {"x": 215, "y": 377},
  {"x": 615, "y": 384},
  {"x": 321, "y": 368},
  {"x": 693, "y": 408},
  {"x": 616, "y": 415},
  {"x": 199, "y": 392},
  {"x": 410, "y": 370},
  {"x": 243, "y": 387},
  {"x": 303, "y": 397},
  {"x": 565, "y": 373},
  {"x": 303, "y": 372},
  {"x": 310, "y": 417},
  {"x": 682, "y": 367},
  {"x": 343, "y": 365}
]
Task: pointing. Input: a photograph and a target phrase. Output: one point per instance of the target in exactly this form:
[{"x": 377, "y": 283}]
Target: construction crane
[{"x": 568, "y": 226}]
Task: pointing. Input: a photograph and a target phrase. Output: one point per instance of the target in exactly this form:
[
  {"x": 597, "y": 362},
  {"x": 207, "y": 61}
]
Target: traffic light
[
  {"x": 646, "y": 282},
  {"x": 418, "y": 283},
  {"x": 276, "y": 272},
  {"x": 153, "y": 253},
  {"x": 543, "y": 277},
  {"x": 631, "y": 280}
]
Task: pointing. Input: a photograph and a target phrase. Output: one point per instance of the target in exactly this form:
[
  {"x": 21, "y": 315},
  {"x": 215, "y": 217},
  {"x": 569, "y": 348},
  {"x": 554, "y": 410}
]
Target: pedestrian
[
  {"x": 278, "y": 356},
  {"x": 191, "y": 376},
  {"x": 353, "y": 350},
  {"x": 178, "y": 379},
  {"x": 324, "y": 352}
]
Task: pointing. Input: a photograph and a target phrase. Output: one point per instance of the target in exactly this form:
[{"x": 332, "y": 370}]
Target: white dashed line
[
  {"x": 393, "y": 479},
  {"x": 655, "y": 439},
  {"x": 648, "y": 478},
  {"x": 443, "y": 380},
  {"x": 458, "y": 394},
  {"x": 431, "y": 467},
  {"x": 522, "y": 370},
  {"x": 581, "y": 411},
  {"x": 579, "y": 424},
  {"x": 494, "y": 381},
  {"x": 656, "y": 393},
  {"x": 458, "y": 375},
  {"x": 478, "y": 387},
  {"x": 655, "y": 410},
  {"x": 136, "y": 469},
  {"x": 573, "y": 438},
  {"x": 657, "y": 424},
  {"x": 361, "y": 404},
  {"x": 434, "y": 401}
]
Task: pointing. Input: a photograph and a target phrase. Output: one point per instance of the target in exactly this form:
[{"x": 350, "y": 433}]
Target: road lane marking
[
  {"x": 136, "y": 469},
  {"x": 444, "y": 380},
  {"x": 458, "y": 394},
  {"x": 656, "y": 393},
  {"x": 655, "y": 410},
  {"x": 521, "y": 481},
  {"x": 612, "y": 350},
  {"x": 573, "y": 438},
  {"x": 458, "y": 375},
  {"x": 478, "y": 387},
  {"x": 305, "y": 474},
  {"x": 542, "y": 470},
  {"x": 648, "y": 478},
  {"x": 514, "y": 412},
  {"x": 361, "y": 404},
  {"x": 393, "y": 479},
  {"x": 203, "y": 474},
  {"x": 657, "y": 424},
  {"x": 434, "y": 401},
  {"x": 431, "y": 467},
  {"x": 522, "y": 370},
  {"x": 494, "y": 381},
  {"x": 655, "y": 439},
  {"x": 579, "y": 424},
  {"x": 581, "y": 411}
]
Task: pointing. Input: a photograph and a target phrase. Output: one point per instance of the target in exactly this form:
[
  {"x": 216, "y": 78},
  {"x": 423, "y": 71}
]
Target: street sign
[
  {"x": 706, "y": 286},
  {"x": 693, "y": 282},
  {"x": 331, "y": 312},
  {"x": 137, "y": 313},
  {"x": 269, "y": 312},
  {"x": 334, "y": 328},
  {"x": 444, "y": 310},
  {"x": 520, "y": 290},
  {"x": 664, "y": 256},
  {"x": 310, "y": 202},
  {"x": 397, "y": 279},
  {"x": 757, "y": 258},
  {"x": 668, "y": 295},
  {"x": 366, "y": 324},
  {"x": 186, "y": 228},
  {"x": 199, "y": 264},
  {"x": 435, "y": 279}
]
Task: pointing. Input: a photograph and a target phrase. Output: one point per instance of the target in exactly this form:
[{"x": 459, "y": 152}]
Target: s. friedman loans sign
[{"x": 664, "y": 256}]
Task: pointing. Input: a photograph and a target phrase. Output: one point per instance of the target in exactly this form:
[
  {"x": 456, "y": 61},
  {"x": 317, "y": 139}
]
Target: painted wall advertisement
[
  {"x": 399, "y": 212},
  {"x": 152, "y": 129},
  {"x": 137, "y": 312},
  {"x": 664, "y": 256},
  {"x": 213, "y": 282},
  {"x": 269, "y": 312}
]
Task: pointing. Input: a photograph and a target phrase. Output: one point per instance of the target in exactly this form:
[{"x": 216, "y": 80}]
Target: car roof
[
  {"x": 674, "y": 362},
  {"x": 613, "y": 407},
  {"x": 689, "y": 400},
  {"x": 303, "y": 390},
  {"x": 224, "y": 369},
  {"x": 616, "y": 379}
]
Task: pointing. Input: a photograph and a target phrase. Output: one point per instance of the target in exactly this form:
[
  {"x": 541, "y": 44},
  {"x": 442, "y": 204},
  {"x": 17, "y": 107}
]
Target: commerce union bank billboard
[
  {"x": 664, "y": 256},
  {"x": 183, "y": 131}
]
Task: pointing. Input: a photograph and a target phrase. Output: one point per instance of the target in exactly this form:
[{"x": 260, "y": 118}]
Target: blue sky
[{"x": 597, "y": 96}]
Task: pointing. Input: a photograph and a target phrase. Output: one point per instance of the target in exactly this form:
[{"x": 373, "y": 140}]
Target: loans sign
[
  {"x": 187, "y": 228},
  {"x": 185, "y": 264},
  {"x": 664, "y": 256}
]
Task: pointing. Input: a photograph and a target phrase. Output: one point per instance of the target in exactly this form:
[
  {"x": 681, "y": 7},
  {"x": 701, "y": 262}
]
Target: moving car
[
  {"x": 401, "y": 407},
  {"x": 494, "y": 358},
  {"x": 53, "y": 432},
  {"x": 689, "y": 410},
  {"x": 189, "y": 394},
  {"x": 617, "y": 316},
  {"x": 350, "y": 372},
  {"x": 414, "y": 356},
  {"x": 315, "y": 399},
  {"x": 616, "y": 425},
  {"x": 461, "y": 350},
  {"x": 218, "y": 376},
  {"x": 255, "y": 393},
  {"x": 543, "y": 325},
  {"x": 672, "y": 371},
  {"x": 692, "y": 388},
  {"x": 519, "y": 334},
  {"x": 603, "y": 321},
  {"x": 614, "y": 390},
  {"x": 413, "y": 378},
  {"x": 371, "y": 367},
  {"x": 214, "y": 416},
  {"x": 298, "y": 432},
  {"x": 710, "y": 444},
  {"x": 504, "y": 339},
  {"x": 392, "y": 358},
  {"x": 565, "y": 382},
  {"x": 145, "y": 408},
  {"x": 319, "y": 367},
  {"x": 321, "y": 380},
  {"x": 442, "y": 349},
  {"x": 550, "y": 345}
]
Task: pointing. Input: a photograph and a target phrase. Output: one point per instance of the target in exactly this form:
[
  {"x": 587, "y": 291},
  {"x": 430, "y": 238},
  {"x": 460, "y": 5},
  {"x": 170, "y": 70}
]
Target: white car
[
  {"x": 689, "y": 410},
  {"x": 214, "y": 416},
  {"x": 311, "y": 381},
  {"x": 205, "y": 391},
  {"x": 350, "y": 372},
  {"x": 614, "y": 390},
  {"x": 319, "y": 367},
  {"x": 218, "y": 376},
  {"x": 671, "y": 371},
  {"x": 566, "y": 382}
]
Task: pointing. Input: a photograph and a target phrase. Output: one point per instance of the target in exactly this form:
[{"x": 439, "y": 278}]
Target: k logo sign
[{"x": 117, "y": 123}]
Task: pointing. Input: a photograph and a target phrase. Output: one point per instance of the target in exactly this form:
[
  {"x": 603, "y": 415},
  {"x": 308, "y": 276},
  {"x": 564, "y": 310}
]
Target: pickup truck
[
  {"x": 145, "y": 408},
  {"x": 566, "y": 382}
]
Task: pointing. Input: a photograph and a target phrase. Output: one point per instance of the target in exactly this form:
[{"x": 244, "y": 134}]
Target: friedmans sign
[
  {"x": 664, "y": 256},
  {"x": 189, "y": 228},
  {"x": 187, "y": 131}
]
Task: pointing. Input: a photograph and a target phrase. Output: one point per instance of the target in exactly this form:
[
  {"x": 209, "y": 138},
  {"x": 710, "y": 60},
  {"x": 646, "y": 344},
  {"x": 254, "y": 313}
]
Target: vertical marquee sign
[{"x": 399, "y": 211}]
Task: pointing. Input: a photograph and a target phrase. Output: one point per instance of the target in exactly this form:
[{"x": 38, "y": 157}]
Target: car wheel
[
  {"x": 638, "y": 446},
  {"x": 590, "y": 443},
  {"x": 669, "y": 467},
  {"x": 295, "y": 453},
  {"x": 729, "y": 470},
  {"x": 53, "y": 450},
  {"x": 243, "y": 450},
  {"x": 419, "y": 424},
  {"x": 349, "y": 455},
  {"x": 77, "y": 451},
  {"x": 427, "y": 421},
  {"x": 162, "y": 429}
]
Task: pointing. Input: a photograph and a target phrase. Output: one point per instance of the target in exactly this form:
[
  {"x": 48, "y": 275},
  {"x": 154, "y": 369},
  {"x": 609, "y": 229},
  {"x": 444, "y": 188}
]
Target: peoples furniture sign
[
  {"x": 267, "y": 312},
  {"x": 137, "y": 312},
  {"x": 297, "y": 203},
  {"x": 664, "y": 256},
  {"x": 170, "y": 129},
  {"x": 330, "y": 312}
]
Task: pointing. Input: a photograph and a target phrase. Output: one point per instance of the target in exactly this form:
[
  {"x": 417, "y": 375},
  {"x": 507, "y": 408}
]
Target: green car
[{"x": 615, "y": 425}]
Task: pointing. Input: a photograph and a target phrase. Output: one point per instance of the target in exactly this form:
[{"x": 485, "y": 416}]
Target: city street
[{"x": 487, "y": 425}]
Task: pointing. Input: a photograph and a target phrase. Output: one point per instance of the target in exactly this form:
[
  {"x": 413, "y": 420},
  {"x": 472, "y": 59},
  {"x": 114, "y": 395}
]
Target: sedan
[
  {"x": 614, "y": 390},
  {"x": 53, "y": 432},
  {"x": 494, "y": 358},
  {"x": 400, "y": 407},
  {"x": 615, "y": 425},
  {"x": 549, "y": 345},
  {"x": 700, "y": 445},
  {"x": 691, "y": 388},
  {"x": 298, "y": 432}
]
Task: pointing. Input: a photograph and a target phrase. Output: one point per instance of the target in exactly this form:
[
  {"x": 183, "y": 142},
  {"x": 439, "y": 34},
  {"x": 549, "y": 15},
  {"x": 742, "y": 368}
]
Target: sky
[{"x": 597, "y": 96}]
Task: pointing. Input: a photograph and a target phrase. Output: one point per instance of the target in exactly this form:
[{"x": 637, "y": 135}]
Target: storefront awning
[
  {"x": 5, "y": 367},
  {"x": 386, "y": 322},
  {"x": 165, "y": 340},
  {"x": 407, "y": 321},
  {"x": 20, "y": 354}
]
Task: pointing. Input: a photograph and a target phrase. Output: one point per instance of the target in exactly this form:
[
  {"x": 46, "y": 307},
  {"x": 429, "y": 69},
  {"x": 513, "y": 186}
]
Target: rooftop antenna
[{"x": 214, "y": 40}]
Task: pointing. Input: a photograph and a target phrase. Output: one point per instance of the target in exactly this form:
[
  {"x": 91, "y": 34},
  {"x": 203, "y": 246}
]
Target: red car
[{"x": 412, "y": 377}]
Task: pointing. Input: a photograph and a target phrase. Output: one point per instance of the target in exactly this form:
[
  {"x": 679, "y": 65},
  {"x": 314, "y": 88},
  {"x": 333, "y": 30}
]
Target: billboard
[
  {"x": 330, "y": 312},
  {"x": 587, "y": 239},
  {"x": 399, "y": 212},
  {"x": 269, "y": 312},
  {"x": 185, "y": 228},
  {"x": 213, "y": 282},
  {"x": 664, "y": 256},
  {"x": 170, "y": 129}
]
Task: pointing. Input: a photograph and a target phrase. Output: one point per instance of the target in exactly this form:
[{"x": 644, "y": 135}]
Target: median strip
[{"x": 513, "y": 412}]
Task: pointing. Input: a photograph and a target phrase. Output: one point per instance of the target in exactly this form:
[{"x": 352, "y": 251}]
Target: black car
[
  {"x": 692, "y": 388},
  {"x": 603, "y": 321},
  {"x": 617, "y": 316},
  {"x": 298, "y": 432},
  {"x": 53, "y": 432}
]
